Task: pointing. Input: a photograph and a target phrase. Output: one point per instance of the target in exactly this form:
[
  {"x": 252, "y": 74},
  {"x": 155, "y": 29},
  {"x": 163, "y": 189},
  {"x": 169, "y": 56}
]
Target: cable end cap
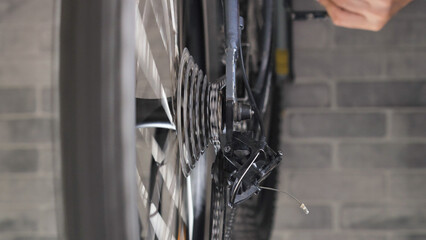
[{"x": 304, "y": 208}]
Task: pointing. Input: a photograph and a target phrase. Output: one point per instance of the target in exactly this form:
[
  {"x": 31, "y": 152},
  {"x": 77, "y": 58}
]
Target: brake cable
[{"x": 248, "y": 89}]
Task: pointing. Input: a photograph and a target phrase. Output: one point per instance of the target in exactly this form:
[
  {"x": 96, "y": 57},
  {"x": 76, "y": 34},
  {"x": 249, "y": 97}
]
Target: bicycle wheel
[
  {"x": 164, "y": 57},
  {"x": 104, "y": 74}
]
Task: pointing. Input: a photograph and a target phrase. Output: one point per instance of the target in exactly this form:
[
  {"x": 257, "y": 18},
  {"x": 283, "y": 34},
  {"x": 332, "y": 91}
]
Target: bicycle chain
[{"x": 217, "y": 206}]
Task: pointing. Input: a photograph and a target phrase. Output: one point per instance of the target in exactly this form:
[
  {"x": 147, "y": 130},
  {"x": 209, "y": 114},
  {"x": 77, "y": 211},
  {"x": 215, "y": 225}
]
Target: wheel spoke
[
  {"x": 161, "y": 229},
  {"x": 146, "y": 64},
  {"x": 171, "y": 205}
]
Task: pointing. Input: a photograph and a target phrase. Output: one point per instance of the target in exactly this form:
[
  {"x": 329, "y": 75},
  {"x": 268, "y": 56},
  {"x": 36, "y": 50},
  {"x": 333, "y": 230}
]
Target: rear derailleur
[
  {"x": 246, "y": 160},
  {"x": 247, "y": 163}
]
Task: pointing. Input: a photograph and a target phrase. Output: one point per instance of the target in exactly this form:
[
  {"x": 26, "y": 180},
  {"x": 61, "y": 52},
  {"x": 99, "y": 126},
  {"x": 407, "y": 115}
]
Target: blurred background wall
[
  {"x": 26, "y": 185},
  {"x": 354, "y": 130}
]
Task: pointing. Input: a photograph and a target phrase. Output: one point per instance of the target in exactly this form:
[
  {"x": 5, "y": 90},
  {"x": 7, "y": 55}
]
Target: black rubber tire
[{"x": 96, "y": 86}]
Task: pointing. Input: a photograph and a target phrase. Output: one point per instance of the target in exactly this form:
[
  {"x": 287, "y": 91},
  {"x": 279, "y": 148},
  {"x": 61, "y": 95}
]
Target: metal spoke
[
  {"x": 169, "y": 170},
  {"x": 162, "y": 230}
]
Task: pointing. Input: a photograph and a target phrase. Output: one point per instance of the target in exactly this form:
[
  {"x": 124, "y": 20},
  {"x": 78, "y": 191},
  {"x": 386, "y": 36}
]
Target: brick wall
[
  {"x": 26, "y": 186},
  {"x": 354, "y": 131}
]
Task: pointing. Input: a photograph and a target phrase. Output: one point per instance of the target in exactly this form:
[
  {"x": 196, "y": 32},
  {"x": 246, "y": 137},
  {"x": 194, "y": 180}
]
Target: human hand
[{"x": 362, "y": 14}]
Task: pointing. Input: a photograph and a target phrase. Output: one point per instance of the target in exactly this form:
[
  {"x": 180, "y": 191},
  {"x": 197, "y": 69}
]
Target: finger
[
  {"x": 344, "y": 18},
  {"x": 400, "y": 4},
  {"x": 356, "y": 6}
]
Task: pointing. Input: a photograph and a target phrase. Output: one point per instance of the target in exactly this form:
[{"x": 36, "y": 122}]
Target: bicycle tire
[{"x": 95, "y": 112}]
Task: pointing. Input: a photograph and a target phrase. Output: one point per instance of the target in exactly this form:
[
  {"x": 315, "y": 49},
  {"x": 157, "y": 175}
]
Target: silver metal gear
[{"x": 199, "y": 112}]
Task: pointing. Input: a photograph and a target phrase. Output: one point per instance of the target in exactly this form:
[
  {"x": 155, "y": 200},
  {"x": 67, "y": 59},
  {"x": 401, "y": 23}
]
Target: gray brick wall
[
  {"x": 26, "y": 180},
  {"x": 354, "y": 131},
  {"x": 353, "y": 128}
]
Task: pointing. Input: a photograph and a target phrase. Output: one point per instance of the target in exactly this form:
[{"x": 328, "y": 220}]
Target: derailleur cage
[{"x": 247, "y": 162}]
